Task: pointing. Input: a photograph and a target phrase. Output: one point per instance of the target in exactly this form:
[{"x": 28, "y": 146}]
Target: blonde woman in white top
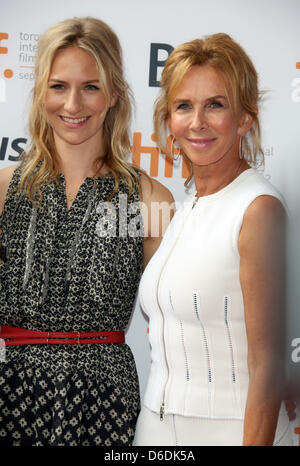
[{"x": 214, "y": 291}]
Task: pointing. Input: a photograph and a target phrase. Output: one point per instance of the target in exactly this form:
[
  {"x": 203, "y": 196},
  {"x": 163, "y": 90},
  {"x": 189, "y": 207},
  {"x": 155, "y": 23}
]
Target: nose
[
  {"x": 199, "y": 120},
  {"x": 73, "y": 102}
]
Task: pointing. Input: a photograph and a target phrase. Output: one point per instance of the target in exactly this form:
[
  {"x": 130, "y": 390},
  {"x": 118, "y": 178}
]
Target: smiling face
[
  {"x": 74, "y": 103},
  {"x": 202, "y": 120}
]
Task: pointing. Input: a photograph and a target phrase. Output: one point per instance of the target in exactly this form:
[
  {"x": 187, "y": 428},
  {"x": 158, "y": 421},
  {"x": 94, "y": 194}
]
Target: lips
[
  {"x": 72, "y": 122},
  {"x": 201, "y": 143}
]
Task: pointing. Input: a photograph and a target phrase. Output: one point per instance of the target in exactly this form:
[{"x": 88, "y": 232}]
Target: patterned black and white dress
[{"x": 75, "y": 270}]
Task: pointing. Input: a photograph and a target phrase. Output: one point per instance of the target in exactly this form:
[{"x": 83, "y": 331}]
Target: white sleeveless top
[{"x": 191, "y": 293}]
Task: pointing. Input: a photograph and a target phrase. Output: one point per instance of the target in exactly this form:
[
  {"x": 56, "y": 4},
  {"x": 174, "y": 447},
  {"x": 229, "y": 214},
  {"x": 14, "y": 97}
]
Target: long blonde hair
[
  {"x": 40, "y": 163},
  {"x": 232, "y": 63}
]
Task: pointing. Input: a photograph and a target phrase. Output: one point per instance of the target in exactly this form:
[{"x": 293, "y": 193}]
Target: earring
[
  {"x": 241, "y": 155},
  {"x": 173, "y": 147}
]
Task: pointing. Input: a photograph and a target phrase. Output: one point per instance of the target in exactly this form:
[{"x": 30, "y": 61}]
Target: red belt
[{"x": 21, "y": 336}]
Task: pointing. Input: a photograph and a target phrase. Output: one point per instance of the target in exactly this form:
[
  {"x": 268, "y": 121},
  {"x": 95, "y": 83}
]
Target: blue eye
[
  {"x": 91, "y": 87},
  {"x": 183, "y": 106},
  {"x": 215, "y": 104},
  {"x": 57, "y": 86}
]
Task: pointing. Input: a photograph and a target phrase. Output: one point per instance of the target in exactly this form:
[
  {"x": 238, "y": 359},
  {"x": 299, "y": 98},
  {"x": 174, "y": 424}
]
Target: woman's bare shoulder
[
  {"x": 6, "y": 175},
  {"x": 153, "y": 190},
  {"x": 263, "y": 226}
]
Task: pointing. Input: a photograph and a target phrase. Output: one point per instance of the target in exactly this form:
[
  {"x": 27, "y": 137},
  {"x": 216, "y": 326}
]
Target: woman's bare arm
[
  {"x": 157, "y": 210},
  {"x": 5, "y": 178},
  {"x": 262, "y": 252}
]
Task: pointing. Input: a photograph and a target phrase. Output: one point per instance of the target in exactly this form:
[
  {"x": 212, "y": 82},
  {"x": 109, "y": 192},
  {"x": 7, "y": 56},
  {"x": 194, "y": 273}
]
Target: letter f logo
[{"x": 3, "y": 36}]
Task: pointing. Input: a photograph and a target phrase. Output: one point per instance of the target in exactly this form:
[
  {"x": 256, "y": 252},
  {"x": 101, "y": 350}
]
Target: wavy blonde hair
[
  {"x": 40, "y": 163},
  {"x": 232, "y": 63}
]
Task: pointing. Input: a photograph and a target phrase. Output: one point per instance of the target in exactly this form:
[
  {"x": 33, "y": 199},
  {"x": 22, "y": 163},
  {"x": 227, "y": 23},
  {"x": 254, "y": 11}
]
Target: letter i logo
[{"x": 7, "y": 73}]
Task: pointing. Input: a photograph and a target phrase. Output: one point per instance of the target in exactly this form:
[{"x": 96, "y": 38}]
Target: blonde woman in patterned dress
[{"x": 71, "y": 258}]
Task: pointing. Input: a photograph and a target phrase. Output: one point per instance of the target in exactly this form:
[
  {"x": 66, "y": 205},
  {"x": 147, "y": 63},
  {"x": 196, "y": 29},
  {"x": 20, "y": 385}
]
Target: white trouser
[{"x": 176, "y": 430}]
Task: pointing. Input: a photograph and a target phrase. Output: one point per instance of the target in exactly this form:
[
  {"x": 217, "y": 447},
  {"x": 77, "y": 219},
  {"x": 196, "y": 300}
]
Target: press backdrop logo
[
  {"x": 159, "y": 54},
  {"x": 7, "y": 73},
  {"x": 152, "y": 154},
  {"x": 296, "y": 86},
  {"x": 24, "y": 47},
  {"x": 27, "y": 50}
]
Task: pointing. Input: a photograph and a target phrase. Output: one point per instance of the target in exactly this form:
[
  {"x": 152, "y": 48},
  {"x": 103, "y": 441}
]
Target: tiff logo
[
  {"x": 152, "y": 152},
  {"x": 7, "y": 72},
  {"x": 3, "y": 36}
]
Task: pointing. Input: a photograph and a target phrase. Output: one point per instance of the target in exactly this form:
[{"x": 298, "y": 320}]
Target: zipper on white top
[
  {"x": 162, "y": 404},
  {"x": 162, "y": 411}
]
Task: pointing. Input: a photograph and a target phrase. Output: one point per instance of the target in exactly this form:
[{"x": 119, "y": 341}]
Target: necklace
[
  {"x": 70, "y": 197},
  {"x": 195, "y": 200}
]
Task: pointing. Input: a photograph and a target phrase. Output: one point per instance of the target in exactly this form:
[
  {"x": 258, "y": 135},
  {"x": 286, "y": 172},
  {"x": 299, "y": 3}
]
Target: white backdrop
[{"x": 267, "y": 29}]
